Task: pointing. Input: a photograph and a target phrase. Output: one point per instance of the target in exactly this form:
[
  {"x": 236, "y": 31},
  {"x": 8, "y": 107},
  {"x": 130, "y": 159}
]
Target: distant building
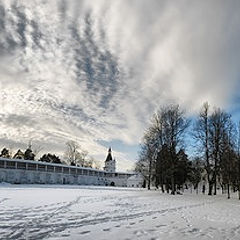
[
  {"x": 110, "y": 163},
  {"x": 133, "y": 179},
  {"x": 19, "y": 155}
]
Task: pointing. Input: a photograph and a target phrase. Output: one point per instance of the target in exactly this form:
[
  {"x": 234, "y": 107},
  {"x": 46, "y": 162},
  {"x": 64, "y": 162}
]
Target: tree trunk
[
  {"x": 197, "y": 188},
  {"x": 228, "y": 190},
  {"x": 215, "y": 183},
  {"x": 222, "y": 186},
  {"x": 167, "y": 188},
  {"x": 239, "y": 175},
  {"x": 172, "y": 171},
  {"x": 210, "y": 188},
  {"x": 162, "y": 188},
  {"x": 210, "y": 183},
  {"x": 172, "y": 185},
  {"x": 149, "y": 183},
  {"x": 239, "y": 191},
  {"x": 149, "y": 175}
]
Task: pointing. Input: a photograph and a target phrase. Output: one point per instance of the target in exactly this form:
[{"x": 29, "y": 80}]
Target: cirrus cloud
[{"x": 96, "y": 70}]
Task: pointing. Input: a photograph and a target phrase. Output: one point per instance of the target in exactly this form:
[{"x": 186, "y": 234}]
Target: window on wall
[
  {"x": 58, "y": 169},
  {"x": 21, "y": 165},
  {"x": 10, "y": 164},
  {"x": 65, "y": 170},
  {"x": 41, "y": 167},
  {"x": 32, "y": 166},
  {"x": 50, "y": 168},
  {"x": 1, "y": 163}
]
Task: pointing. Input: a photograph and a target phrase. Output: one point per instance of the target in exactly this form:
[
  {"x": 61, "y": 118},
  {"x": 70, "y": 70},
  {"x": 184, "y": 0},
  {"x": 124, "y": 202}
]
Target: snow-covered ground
[{"x": 78, "y": 212}]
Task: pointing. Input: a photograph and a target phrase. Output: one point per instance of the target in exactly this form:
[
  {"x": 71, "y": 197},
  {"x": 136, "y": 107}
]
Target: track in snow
[{"x": 37, "y": 212}]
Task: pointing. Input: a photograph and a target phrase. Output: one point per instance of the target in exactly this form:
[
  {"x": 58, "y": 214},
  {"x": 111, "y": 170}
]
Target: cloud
[{"x": 97, "y": 70}]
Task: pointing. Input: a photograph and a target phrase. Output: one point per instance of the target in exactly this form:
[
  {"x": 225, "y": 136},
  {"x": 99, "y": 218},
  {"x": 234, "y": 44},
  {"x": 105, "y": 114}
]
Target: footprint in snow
[
  {"x": 151, "y": 230},
  {"x": 194, "y": 230},
  {"x": 84, "y": 232},
  {"x": 139, "y": 233},
  {"x": 106, "y": 229},
  {"x": 161, "y": 225},
  {"x": 65, "y": 235}
]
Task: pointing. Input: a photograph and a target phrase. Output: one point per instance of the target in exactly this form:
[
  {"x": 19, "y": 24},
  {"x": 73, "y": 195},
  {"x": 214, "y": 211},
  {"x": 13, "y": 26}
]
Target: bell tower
[{"x": 110, "y": 163}]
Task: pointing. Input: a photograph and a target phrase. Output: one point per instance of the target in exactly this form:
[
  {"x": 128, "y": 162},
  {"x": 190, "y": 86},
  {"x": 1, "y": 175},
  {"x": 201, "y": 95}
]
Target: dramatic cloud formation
[{"x": 95, "y": 71}]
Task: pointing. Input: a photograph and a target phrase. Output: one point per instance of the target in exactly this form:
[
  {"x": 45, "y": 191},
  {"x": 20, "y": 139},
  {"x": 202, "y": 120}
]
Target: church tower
[{"x": 110, "y": 163}]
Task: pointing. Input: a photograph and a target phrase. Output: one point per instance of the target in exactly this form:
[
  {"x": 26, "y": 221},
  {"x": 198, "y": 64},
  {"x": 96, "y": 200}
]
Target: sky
[{"x": 95, "y": 71}]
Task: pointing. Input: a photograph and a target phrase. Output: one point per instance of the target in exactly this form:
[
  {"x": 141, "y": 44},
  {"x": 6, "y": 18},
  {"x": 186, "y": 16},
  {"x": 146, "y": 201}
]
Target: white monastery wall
[{"x": 18, "y": 171}]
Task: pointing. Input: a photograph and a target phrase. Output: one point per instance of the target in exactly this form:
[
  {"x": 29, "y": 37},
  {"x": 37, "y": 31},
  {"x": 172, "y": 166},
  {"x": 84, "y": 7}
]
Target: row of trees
[
  {"x": 27, "y": 154},
  {"x": 219, "y": 141},
  {"x": 74, "y": 155},
  {"x": 162, "y": 158}
]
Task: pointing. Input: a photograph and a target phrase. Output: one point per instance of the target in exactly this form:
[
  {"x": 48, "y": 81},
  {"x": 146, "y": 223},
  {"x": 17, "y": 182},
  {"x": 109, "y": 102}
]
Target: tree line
[
  {"x": 163, "y": 160},
  {"x": 74, "y": 155}
]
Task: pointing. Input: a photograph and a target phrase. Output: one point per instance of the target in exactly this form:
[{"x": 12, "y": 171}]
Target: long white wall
[{"x": 23, "y": 171}]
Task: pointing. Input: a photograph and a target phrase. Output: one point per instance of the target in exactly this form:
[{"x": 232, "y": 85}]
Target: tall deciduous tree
[
  {"x": 219, "y": 122},
  {"x": 202, "y": 133},
  {"x": 238, "y": 158},
  {"x": 174, "y": 123},
  {"x": 74, "y": 154}
]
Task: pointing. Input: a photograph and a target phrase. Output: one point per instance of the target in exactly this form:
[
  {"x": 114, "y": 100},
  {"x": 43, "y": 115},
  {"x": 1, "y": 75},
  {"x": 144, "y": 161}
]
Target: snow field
[{"x": 79, "y": 212}]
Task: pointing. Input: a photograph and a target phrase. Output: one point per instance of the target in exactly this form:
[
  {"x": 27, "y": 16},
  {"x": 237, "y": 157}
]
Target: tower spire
[
  {"x": 109, "y": 156},
  {"x": 110, "y": 163}
]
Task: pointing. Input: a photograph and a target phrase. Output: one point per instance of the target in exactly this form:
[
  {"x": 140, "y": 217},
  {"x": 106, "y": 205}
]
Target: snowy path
[{"x": 73, "y": 212}]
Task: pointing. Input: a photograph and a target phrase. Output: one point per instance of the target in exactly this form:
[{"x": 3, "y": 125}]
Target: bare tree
[
  {"x": 36, "y": 148},
  {"x": 175, "y": 124},
  {"x": 144, "y": 164},
  {"x": 95, "y": 163},
  {"x": 201, "y": 133},
  {"x": 196, "y": 172},
  {"x": 89, "y": 162},
  {"x": 210, "y": 132},
  {"x": 228, "y": 158},
  {"x": 74, "y": 154},
  {"x": 219, "y": 121},
  {"x": 238, "y": 158}
]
